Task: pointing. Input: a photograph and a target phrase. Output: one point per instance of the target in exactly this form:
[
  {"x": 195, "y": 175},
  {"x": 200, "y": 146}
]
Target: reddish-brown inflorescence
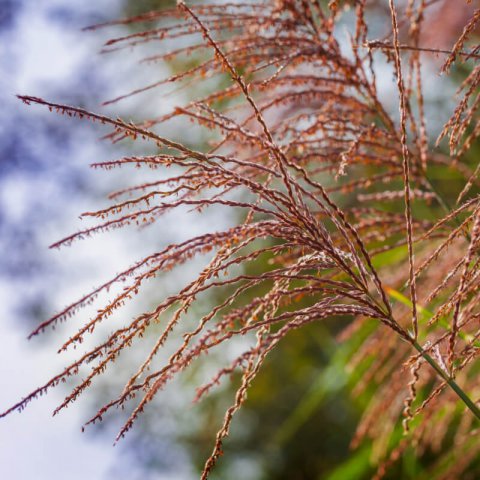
[{"x": 307, "y": 150}]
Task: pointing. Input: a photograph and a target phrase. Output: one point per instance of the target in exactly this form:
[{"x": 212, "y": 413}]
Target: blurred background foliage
[{"x": 301, "y": 413}]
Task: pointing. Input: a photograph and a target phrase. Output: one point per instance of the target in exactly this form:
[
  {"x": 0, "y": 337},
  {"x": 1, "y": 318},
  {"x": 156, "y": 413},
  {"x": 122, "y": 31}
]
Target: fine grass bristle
[{"x": 328, "y": 183}]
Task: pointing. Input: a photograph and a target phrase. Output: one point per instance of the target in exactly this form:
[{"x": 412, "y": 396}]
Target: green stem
[{"x": 449, "y": 380}]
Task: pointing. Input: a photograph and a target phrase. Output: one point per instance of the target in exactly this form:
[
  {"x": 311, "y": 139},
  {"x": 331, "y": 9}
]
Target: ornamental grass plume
[{"x": 328, "y": 180}]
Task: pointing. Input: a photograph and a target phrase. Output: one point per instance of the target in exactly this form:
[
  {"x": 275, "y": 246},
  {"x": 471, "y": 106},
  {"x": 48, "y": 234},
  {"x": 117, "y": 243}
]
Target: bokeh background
[{"x": 300, "y": 417}]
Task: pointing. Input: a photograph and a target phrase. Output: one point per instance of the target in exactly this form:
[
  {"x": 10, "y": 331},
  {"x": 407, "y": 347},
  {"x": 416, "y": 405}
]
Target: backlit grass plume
[{"x": 327, "y": 179}]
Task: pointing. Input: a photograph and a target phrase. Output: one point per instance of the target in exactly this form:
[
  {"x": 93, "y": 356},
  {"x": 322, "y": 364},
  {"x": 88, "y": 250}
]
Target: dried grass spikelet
[{"x": 300, "y": 132}]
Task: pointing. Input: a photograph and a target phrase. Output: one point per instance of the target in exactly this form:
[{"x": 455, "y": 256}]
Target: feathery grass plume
[{"x": 328, "y": 182}]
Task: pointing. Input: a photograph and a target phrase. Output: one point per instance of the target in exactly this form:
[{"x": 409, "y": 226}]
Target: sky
[
  {"x": 38, "y": 54},
  {"x": 45, "y": 183}
]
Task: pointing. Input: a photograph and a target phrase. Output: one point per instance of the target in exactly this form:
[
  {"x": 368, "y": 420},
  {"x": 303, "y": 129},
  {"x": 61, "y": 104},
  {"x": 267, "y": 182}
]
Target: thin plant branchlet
[{"x": 326, "y": 180}]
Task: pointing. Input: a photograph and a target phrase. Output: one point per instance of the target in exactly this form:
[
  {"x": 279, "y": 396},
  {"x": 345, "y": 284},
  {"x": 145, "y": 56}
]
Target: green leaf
[
  {"x": 426, "y": 315},
  {"x": 355, "y": 468}
]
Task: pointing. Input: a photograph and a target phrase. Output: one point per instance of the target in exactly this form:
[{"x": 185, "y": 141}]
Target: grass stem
[{"x": 449, "y": 380}]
